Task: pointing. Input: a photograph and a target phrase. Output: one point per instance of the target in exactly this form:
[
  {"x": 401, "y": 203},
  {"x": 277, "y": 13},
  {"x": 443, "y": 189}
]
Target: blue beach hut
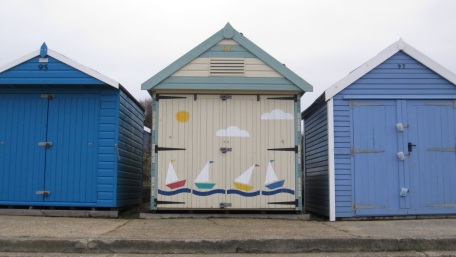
[
  {"x": 69, "y": 136},
  {"x": 381, "y": 141}
]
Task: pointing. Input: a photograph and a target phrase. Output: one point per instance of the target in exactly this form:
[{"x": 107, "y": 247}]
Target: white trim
[
  {"x": 83, "y": 68},
  {"x": 399, "y": 45},
  {"x": 331, "y": 162},
  {"x": 19, "y": 61},
  {"x": 65, "y": 60}
]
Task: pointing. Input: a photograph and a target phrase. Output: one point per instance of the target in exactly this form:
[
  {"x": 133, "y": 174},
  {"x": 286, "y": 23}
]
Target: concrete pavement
[{"x": 222, "y": 235}]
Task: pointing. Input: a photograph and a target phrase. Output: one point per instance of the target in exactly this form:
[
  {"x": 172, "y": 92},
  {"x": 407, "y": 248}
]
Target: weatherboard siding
[
  {"x": 254, "y": 68},
  {"x": 389, "y": 79},
  {"x": 130, "y": 147},
  {"x": 386, "y": 80},
  {"x": 316, "y": 162},
  {"x": 52, "y": 72},
  {"x": 224, "y": 83},
  {"x": 342, "y": 157},
  {"x": 106, "y": 154},
  {"x": 227, "y": 49}
]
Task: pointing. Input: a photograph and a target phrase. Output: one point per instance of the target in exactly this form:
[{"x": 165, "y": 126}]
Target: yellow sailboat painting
[{"x": 243, "y": 181}]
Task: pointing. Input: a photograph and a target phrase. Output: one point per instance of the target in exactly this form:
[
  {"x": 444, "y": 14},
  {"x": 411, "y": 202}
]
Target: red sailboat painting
[{"x": 172, "y": 181}]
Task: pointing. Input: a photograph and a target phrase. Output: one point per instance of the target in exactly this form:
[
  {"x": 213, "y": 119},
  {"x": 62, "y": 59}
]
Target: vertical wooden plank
[
  {"x": 433, "y": 161},
  {"x": 73, "y": 147},
  {"x": 23, "y": 124}
]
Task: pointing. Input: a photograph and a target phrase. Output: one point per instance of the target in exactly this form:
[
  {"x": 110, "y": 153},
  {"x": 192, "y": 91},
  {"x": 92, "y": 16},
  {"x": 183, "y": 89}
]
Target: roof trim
[
  {"x": 227, "y": 32},
  {"x": 399, "y": 45},
  {"x": 63, "y": 59}
]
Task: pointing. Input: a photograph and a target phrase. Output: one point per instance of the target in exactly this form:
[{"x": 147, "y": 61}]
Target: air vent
[{"x": 227, "y": 67}]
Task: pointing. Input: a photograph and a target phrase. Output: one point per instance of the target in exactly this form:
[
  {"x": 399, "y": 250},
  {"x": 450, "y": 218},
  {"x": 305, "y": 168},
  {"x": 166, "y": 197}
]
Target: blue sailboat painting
[{"x": 272, "y": 181}]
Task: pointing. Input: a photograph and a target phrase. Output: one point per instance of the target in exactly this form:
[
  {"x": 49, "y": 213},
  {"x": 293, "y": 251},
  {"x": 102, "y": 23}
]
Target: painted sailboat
[
  {"x": 202, "y": 181},
  {"x": 272, "y": 181},
  {"x": 243, "y": 181},
  {"x": 172, "y": 181}
]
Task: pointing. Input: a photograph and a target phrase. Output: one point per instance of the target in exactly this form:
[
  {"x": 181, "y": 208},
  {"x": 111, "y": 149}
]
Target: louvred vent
[{"x": 227, "y": 67}]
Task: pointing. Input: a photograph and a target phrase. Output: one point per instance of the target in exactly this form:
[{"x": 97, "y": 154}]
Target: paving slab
[{"x": 218, "y": 236}]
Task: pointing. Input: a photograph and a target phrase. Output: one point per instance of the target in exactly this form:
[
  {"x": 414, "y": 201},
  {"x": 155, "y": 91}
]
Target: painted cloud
[
  {"x": 277, "y": 114},
  {"x": 232, "y": 131}
]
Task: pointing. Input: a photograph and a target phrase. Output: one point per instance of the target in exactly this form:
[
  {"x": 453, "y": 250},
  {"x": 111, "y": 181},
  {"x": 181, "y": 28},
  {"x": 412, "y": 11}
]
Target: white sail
[
  {"x": 203, "y": 177},
  {"x": 171, "y": 175},
  {"x": 270, "y": 175},
  {"x": 245, "y": 177}
]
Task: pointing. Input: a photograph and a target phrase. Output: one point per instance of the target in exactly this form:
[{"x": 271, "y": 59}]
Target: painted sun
[{"x": 182, "y": 116}]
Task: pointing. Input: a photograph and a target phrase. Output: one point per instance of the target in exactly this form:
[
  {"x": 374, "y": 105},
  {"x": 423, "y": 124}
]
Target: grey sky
[{"x": 322, "y": 41}]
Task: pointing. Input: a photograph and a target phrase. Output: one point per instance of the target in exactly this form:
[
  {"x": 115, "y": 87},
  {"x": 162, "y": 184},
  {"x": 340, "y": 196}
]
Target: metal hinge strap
[
  {"x": 353, "y": 150},
  {"x": 157, "y": 148},
  {"x": 291, "y": 149},
  {"x": 292, "y": 98},
  {"x": 165, "y": 97}
]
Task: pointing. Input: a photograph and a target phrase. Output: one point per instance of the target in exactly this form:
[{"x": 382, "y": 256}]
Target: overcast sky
[{"x": 321, "y": 41}]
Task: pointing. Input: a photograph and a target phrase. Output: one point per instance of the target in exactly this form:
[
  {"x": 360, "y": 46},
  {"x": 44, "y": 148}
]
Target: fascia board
[
  {"x": 84, "y": 69},
  {"x": 20, "y": 60},
  {"x": 182, "y": 61},
  {"x": 271, "y": 61},
  {"x": 361, "y": 71}
]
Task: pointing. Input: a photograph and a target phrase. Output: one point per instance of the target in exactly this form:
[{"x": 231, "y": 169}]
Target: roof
[
  {"x": 44, "y": 51},
  {"x": 399, "y": 45},
  {"x": 228, "y": 32}
]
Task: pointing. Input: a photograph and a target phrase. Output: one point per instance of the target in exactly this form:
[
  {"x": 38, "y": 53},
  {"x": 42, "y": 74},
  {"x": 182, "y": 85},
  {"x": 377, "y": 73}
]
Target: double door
[
  {"x": 404, "y": 156},
  {"x": 48, "y": 148},
  {"x": 226, "y": 151}
]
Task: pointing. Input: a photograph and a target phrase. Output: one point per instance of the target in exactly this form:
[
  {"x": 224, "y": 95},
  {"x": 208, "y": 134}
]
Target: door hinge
[
  {"x": 156, "y": 202},
  {"x": 295, "y": 203},
  {"x": 157, "y": 148},
  {"x": 447, "y": 149},
  {"x": 291, "y": 149},
  {"x": 354, "y": 103},
  {"x": 353, "y": 150},
  {"x": 160, "y": 97},
  {"x": 292, "y": 98}
]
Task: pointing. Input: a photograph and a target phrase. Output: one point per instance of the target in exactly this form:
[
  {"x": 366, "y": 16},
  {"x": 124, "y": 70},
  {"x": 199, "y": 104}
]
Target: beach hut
[
  {"x": 381, "y": 141},
  {"x": 69, "y": 136},
  {"x": 226, "y": 129}
]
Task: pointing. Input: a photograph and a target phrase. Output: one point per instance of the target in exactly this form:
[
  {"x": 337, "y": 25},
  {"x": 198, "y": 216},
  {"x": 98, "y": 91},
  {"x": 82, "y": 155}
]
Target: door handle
[
  {"x": 410, "y": 147},
  {"x": 225, "y": 149}
]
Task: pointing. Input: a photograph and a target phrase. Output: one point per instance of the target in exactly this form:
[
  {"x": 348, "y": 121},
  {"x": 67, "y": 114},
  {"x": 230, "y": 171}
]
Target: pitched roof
[
  {"x": 44, "y": 51},
  {"x": 399, "y": 45},
  {"x": 228, "y": 32}
]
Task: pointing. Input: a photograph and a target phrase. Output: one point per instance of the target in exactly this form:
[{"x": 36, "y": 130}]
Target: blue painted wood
[
  {"x": 376, "y": 167},
  {"x": 71, "y": 164},
  {"x": 316, "y": 162},
  {"x": 130, "y": 164},
  {"x": 373, "y": 181},
  {"x": 81, "y": 168},
  {"x": 432, "y": 164},
  {"x": 23, "y": 125},
  {"x": 56, "y": 73}
]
